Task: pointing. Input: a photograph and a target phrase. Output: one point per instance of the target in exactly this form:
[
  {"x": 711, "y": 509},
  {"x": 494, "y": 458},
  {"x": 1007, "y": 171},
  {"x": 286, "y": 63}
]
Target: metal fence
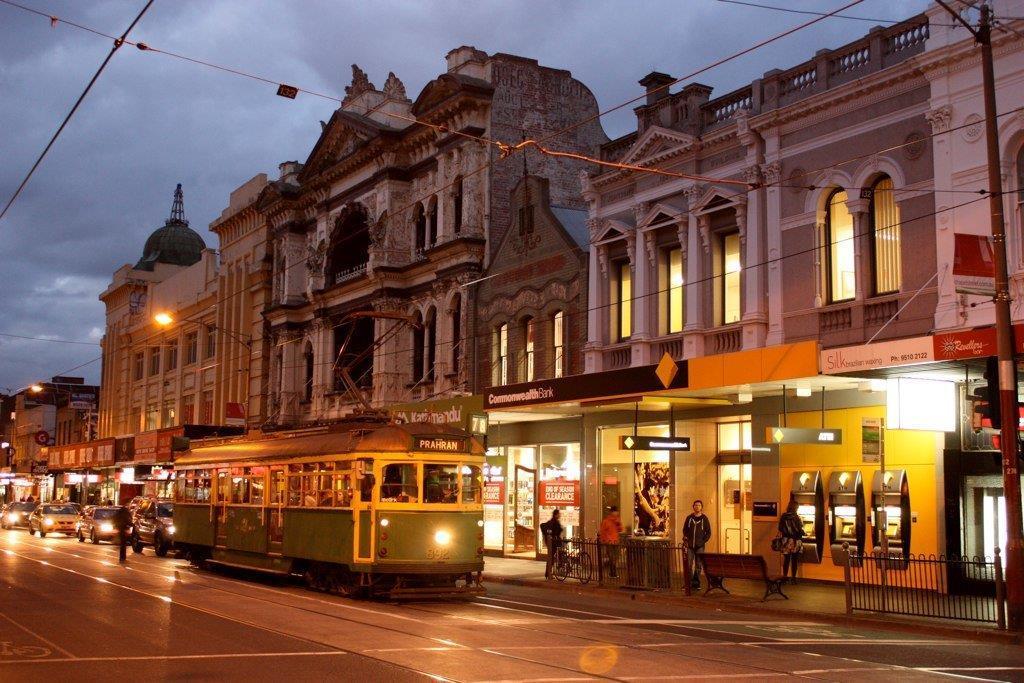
[
  {"x": 632, "y": 564},
  {"x": 918, "y": 585}
]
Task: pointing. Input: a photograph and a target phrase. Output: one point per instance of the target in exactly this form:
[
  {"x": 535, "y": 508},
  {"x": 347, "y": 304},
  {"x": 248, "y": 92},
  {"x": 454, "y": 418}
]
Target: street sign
[
  {"x": 654, "y": 443},
  {"x": 786, "y": 435},
  {"x": 289, "y": 91}
]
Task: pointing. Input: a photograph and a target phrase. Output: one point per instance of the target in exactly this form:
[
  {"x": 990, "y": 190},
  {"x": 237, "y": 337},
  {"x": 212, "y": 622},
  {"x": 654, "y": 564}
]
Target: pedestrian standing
[
  {"x": 552, "y": 531},
  {"x": 696, "y": 534},
  {"x": 791, "y": 544},
  {"x": 123, "y": 520},
  {"x": 611, "y": 527}
]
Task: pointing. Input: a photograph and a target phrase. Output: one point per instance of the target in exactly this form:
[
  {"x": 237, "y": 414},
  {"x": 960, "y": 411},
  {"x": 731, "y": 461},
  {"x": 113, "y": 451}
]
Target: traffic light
[{"x": 986, "y": 403}]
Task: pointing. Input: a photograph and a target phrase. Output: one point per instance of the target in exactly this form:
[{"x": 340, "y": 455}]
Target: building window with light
[
  {"x": 529, "y": 365},
  {"x": 152, "y": 416},
  {"x": 840, "y": 278},
  {"x": 885, "y": 237},
  {"x": 207, "y": 408},
  {"x": 211, "y": 343},
  {"x": 139, "y": 370},
  {"x": 499, "y": 355},
  {"x": 191, "y": 348},
  {"x": 622, "y": 301},
  {"x": 188, "y": 409},
  {"x": 672, "y": 292},
  {"x": 728, "y": 268},
  {"x": 558, "y": 342},
  {"x": 171, "y": 360},
  {"x": 168, "y": 415},
  {"x": 154, "y": 361}
]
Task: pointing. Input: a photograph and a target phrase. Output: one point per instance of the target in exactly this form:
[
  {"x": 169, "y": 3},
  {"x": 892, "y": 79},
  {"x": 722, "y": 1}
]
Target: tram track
[
  {"x": 595, "y": 642},
  {"x": 245, "y": 589},
  {"x": 320, "y": 613}
]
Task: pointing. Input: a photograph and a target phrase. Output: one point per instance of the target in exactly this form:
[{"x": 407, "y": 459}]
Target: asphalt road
[{"x": 69, "y": 611}]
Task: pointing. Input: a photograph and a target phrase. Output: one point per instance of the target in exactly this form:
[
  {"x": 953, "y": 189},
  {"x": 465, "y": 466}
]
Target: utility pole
[{"x": 1004, "y": 331}]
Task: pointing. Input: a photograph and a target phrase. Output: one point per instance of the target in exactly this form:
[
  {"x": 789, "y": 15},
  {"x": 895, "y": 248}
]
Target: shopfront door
[
  {"x": 734, "y": 508},
  {"x": 524, "y": 526}
]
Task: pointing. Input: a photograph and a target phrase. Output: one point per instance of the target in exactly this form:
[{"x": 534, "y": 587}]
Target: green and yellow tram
[{"x": 367, "y": 509}]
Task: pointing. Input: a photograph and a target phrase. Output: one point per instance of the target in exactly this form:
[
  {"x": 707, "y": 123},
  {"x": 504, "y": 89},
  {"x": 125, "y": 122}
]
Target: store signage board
[
  {"x": 654, "y": 443},
  {"x": 559, "y": 493},
  {"x": 667, "y": 374},
  {"x": 879, "y": 355},
  {"x": 766, "y": 508},
  {"x": 494, "y": 492},
  {"x": 792, "y": 435},
  {"x": 974, "y": 265},
  {"x": 440, "y": 444}
]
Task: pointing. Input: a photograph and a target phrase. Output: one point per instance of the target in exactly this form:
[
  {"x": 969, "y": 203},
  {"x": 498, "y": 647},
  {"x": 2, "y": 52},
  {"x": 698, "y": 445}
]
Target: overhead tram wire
[
  {"x": 47, "y": 339},
  {"x": 792, "y": 10},
  {"x": 118, "y": 42}
]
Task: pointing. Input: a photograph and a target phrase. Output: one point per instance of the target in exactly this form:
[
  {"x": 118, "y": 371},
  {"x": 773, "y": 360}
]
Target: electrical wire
[
  {"x": 47, "y": 339},
  {"x": 793, "y": 10},
  {"x": 118, "y": 42}
]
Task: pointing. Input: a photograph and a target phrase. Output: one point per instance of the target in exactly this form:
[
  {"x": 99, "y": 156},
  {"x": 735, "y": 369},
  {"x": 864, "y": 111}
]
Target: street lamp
[{"x": 164, "y": 319}]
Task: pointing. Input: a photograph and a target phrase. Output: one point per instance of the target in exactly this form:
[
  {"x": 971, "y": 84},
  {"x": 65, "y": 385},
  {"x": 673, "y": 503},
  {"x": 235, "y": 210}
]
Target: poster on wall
[
  {"x": 494, "y": 492},
  {"x": 872, "y": 439},
  {"x": 560, "y": 493},
  {"x": 652, "y": 484}
]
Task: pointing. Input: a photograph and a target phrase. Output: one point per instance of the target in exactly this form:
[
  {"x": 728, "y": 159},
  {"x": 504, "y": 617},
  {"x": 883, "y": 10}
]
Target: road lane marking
[
  {"x": 41, "y": 639},
  {"x": 145, "y": 658}
]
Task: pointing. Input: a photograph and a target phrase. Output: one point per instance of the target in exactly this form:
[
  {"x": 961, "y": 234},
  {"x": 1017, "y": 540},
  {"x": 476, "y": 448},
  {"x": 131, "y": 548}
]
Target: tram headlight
[
  {"x": 384, "y": 521},
  {"x": 480, "y": 523},
  {"x": 442, "y": 537}
]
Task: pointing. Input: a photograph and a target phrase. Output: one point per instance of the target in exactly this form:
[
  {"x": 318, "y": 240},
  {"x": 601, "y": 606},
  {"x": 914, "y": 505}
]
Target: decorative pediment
[
  {"x": 612, "y": 229},
  {"x": 664, "y": 209},
  {"x": 343, "y": 135},
  {"x": 657, "y": 143},
  {"x": 714, "y": 198}
]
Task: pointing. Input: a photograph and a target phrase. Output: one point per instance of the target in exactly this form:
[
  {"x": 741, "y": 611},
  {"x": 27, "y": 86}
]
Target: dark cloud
[{"x": 152, "y": 121}]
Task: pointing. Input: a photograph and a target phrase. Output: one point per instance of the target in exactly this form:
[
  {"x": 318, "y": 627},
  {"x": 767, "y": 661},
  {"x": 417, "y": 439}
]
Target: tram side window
[
  {"x": 399, "y": 485},
  {"x": 295, "y": 485},
  {"x": 239, "y": 487},
  {"x": 256, "y": 484},
  {"x": 277, "y": 487},
  {"x": 440, "y": 483},
  {"x": 193, "y": 486},
  {"x": 343, "y": 489},
  {"x": 472, "y": 484}
]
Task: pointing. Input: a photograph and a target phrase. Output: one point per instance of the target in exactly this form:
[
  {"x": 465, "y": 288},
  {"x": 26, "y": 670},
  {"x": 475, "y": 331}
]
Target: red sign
[
  {"x": 494, "y": 492},
  {"x": 977, "y": 343},
  {"x": 974, "y": 265},
  {"x": 42, "y": 437},
  {"x": 234, "y": 414},
  {"x": 145, "y": 447},
  {"x": 560, "y": 493}
]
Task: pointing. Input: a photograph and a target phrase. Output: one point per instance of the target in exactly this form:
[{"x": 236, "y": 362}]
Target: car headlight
[
  {"x": 170, "y": 529},
  {"x": 442, "y": 537},
  {"x": 106, "y": 528},
  {"x": 48, "y": 521},
  {"x": 13, "y": 517}
]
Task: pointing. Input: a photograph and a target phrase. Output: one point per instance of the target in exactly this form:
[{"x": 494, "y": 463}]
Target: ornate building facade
[{"x": 390, "y": 216}]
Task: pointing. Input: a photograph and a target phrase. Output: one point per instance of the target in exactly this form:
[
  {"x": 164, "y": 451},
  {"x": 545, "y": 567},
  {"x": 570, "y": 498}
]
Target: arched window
[
  {"x": 456, "y": 315},
  {"x": 558, "y": 343},
  {"x": 432, "y": 222},
  {"x": 885, "y": 237},
  {"x": 419, "y": 219},
  {"x": 350, "y": 246},
  {"x": 430, "y": 341},
  {"x": 457, "y": 205},
  {"x": 307, "y": 384},
  {"x": 499, "y": 355},
  {"x": 417, "y": 349},
  {"x": 841, "y": 277},
  {"x": 529, "y": 347}
]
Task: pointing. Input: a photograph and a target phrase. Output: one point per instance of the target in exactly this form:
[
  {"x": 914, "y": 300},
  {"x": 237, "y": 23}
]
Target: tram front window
[
  {"x": 472, "y": 484},
  {"x": 440, "y": 483},
  {"x": 399, "y": 485}
]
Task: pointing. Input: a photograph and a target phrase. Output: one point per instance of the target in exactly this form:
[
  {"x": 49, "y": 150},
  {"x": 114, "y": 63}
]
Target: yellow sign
[
  {"x": 666, "y": 370},
  {"x": 628, "y": 442}
]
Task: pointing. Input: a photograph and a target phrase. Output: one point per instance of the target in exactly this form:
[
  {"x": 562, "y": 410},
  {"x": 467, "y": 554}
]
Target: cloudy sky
[{"x": 152, "y": 121}]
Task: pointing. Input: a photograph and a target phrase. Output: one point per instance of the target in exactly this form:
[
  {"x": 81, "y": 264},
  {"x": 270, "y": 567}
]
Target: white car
[{"x": 54, "y": 518}]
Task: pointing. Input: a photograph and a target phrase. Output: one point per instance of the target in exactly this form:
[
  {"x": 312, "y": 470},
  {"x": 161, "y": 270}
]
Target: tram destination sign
[
  {"x": 441, "y": 444},
  {"x": 654, "y": 443},
  {"x": 788, "y": 435}
]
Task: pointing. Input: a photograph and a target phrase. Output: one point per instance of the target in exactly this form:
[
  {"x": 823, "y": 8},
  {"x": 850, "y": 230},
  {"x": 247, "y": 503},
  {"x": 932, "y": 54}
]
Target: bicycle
[{"x": 576, "y": 564}]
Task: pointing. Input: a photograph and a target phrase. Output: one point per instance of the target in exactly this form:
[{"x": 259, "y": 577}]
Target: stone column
[
  {"x": 697, "y": 291},
  {"x": 750, "y": 220},
  {"x": 641, "y": 245},
  {"x": 597, "y": 328},
  {"x": 771, "y": 210},
  {"x": 947, "y": 310}
]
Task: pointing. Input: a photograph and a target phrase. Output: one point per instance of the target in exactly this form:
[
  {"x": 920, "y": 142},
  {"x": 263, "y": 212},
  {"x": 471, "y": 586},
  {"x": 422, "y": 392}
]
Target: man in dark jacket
[
  {"x": 696, "y": 534},
  {"x": 123, "y": 524},
  {"x": 552, "y": 530}
]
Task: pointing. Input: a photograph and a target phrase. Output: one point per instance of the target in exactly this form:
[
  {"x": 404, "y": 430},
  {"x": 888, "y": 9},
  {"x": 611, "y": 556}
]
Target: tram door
[
  {"x": 220, "y": 511},
  {"x": 275, "y": 511}
]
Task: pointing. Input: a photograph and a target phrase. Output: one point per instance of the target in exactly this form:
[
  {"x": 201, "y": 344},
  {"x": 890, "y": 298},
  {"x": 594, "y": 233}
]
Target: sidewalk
[{"x": 807, "y": 600}]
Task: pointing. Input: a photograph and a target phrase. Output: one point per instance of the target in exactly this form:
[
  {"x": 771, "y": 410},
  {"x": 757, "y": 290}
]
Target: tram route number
[
  {"x": 439, "y": 554},
  {"x": 7, "y": 649}
]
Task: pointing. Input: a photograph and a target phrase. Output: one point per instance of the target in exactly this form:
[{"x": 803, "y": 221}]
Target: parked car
[
  {"x": 154, "y": 526},
  {"x": 98, "y": 523},
  {"x": 59, "y": 518},
  {"x": 16, "y": 515}
]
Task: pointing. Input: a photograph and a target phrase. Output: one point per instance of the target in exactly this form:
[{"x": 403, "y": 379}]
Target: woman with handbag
[{"x": 789, "y": 540}]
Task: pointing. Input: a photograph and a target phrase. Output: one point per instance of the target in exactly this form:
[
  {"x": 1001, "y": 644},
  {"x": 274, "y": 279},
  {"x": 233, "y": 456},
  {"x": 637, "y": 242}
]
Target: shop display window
[{"x": 638, "y": 483}]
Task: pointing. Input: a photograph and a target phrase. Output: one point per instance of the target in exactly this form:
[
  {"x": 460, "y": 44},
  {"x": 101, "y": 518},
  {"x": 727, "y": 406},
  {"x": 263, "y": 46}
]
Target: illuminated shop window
[
  {"x": 675, "y": 315},
  {"x": 558, "y": 342},
  {"x": 885, "y": 233},
  {"x": 839, "y": 249},
  {"x": 731, "y": 266}
]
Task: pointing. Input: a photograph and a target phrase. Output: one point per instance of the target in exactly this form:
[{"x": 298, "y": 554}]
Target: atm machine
[
  {"x": 890, "y": 512},
  {"x": 810, "y": 499},
  {"x": 846, "y": 513}
]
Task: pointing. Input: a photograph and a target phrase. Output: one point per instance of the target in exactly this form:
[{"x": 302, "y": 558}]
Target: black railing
[
  {"x": 918, "y": 585},
  {"x": 631, "y": 564}
]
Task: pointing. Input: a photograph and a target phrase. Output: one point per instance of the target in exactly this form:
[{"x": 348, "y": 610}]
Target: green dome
[{"x": 175, "y": 243}]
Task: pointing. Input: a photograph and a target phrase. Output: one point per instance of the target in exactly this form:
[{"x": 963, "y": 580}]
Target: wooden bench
[{"x": 721, "y": 566}]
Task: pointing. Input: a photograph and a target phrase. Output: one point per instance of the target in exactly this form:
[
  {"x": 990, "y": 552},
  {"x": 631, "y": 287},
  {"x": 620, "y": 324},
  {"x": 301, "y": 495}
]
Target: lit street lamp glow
[{"x": 163, "y": 319}]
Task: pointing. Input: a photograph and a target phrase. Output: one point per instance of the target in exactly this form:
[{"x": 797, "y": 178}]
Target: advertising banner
[
  {"x": 234, "y": 414},
  {"x": 494, "y": 492},
  {"x": 652, "y": 498},
  {"x": 974, "y": 265},
  {"x": 559, "y": 493},
  {"x": 879, "y": 355}
]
